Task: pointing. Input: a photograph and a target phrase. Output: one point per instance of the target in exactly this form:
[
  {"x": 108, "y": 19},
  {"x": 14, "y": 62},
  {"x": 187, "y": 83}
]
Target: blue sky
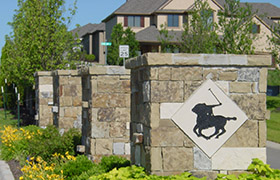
[{"x": 89, "y": 11}]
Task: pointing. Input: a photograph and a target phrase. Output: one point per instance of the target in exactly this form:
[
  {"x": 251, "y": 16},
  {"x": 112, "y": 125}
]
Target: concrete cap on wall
[
  {"x": 182, "y": 59},
  {"x": 42, "y": 73},
  {"x": 104, "y": 70}
]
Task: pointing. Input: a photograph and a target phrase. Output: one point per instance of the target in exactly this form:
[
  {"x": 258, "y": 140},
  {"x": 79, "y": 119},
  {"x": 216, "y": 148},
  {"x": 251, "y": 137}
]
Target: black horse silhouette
[{"x": 206, "y": 119}]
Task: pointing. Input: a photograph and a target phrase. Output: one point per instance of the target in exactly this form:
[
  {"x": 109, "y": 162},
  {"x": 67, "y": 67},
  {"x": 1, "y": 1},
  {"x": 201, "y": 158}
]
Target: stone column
[
  {"x": 106, "y": 111},
  {"x": 162, "y": 84},
  {"x": 67, "y": 99},
  {"x": 44, "y": 98}
]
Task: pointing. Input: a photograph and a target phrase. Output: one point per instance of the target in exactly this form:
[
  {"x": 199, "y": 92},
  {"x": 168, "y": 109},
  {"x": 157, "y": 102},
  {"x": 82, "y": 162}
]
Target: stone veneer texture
[
  {"x": 106, "y": 111},
  {"x": 160, "y": 83},
  {"x": 67, "y": 99},
  {"x": 44, "y": 98}
]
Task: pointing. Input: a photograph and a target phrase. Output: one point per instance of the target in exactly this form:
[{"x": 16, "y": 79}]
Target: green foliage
[
  {"x": 40, "y": 41},
  {"x": 235, "y": 23},
  {"x": 94, "y": 171},
  {"x": 110, "y": 162},
  {"x": 258, "y": 170},
  {"x": 75, "y": 168},
  {"x": 32, "y": 141},
  {"x": 134, "y": 172},
  {"x": 90, "y": 57},
  {"x": 273, "y": 78},
  {"x": 199, "y": 34},
  {"x": 272, "y": 102},
  {"x": 165, "y": 40},
  {"x": 120, "y": 36}
]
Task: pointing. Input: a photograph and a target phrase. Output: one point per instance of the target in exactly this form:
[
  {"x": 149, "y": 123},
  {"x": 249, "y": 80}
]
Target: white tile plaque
[{"x": 209, "y": 117}]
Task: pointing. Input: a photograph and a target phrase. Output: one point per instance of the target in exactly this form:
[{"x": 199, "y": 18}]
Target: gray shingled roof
[
  {"x": 151, "y": 34},
  {"x": 140, "y": 7},
  {"x": 88, "y": 28}
]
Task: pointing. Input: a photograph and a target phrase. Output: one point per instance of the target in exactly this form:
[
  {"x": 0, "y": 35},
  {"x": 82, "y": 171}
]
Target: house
[
  {"x": 91, "y": 36},
  {"x": 145, "y": 18}
]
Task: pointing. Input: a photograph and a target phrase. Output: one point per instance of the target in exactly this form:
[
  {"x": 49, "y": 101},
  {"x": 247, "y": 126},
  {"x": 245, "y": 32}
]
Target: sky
[{"x": 89, "y": 11}]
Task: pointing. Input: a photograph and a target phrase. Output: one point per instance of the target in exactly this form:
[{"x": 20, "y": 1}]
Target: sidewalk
[{"x": 5, "y": 172}]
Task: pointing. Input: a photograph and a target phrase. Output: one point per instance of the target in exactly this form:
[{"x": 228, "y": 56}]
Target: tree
[
  {"x": 40, "y": 41},
  {"x": 199, "y": 35},
  {"x": 235, "y": 23},
  {"x": 165, "y": 39},
  {"x": 274, "y": 42},
  {"x": 119, "y": 36}
]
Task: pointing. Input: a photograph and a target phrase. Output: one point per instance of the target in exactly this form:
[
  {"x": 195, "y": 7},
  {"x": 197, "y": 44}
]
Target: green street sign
[{"x": 106, "y": 43}]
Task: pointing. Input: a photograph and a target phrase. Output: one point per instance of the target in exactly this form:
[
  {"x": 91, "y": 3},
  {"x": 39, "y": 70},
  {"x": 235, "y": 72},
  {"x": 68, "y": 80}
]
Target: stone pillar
[
  {"x": 106, "y": 111},
  {"x": 44, "y": 98},
  {"x": 67, "y": 99},
  {"x": 163, "y": 84}
]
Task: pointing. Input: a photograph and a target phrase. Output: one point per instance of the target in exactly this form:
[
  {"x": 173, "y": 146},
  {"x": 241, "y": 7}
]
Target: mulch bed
[{"x": 15, "y": 168}]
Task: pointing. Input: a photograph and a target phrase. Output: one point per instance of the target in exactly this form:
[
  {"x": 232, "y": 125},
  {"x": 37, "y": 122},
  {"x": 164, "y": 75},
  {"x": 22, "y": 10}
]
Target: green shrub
[
  {"x": 110, "y": 162},
  {"x": 272, "y": 102},
  {"x": 90, "y": 57},
  {"x": 273, "y": 78},
  {"x": 75, "y": 168},
  {"x": 94, "y": 171}
]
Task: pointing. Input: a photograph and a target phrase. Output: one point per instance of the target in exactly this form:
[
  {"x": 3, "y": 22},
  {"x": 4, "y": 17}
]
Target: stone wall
[
  {"x": 67, "y": 108},
  {"x": 106, "y": 111},
  {"x": 44, "y": 98},
  {"x": 161, "y": 83}
]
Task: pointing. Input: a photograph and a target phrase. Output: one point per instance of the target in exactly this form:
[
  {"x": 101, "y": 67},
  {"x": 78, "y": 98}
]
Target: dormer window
[
  {"x": 256, "y": 29},
  {"x": 173, "y": 20},
  {"x": 134, "y": 21}
]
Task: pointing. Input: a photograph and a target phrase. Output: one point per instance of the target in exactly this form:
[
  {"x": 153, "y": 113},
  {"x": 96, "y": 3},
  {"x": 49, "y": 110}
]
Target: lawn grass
[
  {"x": 273, "y": 127},
  {"x": 11, "y": 120}
]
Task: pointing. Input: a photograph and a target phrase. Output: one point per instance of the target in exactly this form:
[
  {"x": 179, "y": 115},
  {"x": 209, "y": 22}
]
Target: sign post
[
  {"x": 124, "y": 52},
  {"x": 106, "y": 44}
]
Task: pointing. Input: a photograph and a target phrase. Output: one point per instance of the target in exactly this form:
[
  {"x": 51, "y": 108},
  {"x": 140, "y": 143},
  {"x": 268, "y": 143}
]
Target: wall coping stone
[
  {"x": 66, "y": 72},
  {"x": 161, "y": 59},
  {"x": 42, "y": 73},
  {"x": 104, "y": 70}
]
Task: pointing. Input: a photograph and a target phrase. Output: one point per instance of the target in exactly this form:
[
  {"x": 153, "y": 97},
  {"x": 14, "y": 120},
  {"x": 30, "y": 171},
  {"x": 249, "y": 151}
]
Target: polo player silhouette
[{"x": 206, "y": 119}]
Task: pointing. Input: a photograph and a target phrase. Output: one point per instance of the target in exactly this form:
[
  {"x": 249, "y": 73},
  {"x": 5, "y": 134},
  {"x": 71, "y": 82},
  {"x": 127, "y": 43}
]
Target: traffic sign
[
  {"x": 106, "y": 43},
  {"x": 124, "y": 51}
]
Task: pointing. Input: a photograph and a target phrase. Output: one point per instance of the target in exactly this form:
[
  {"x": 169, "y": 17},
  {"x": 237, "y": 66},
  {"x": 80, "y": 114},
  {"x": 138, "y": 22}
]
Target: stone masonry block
[
  {"x": 156, "y": 159},
  {"x": 262, "y": 133},
  {"x": 166, "y": 91},
  {"x": 177, "y": 158},
  {"x": 104, "y": 146},
  {"x": 245, "y": 136},
  {"x": 154, "y": 73},
  {"x": 118, "y": 148},
  {"x": 154, "y": 115},
  {"x": 190, "y": 87},
  {"x": 240, "y": 87},
  {"x": 228, "y": 76},
  {"x": 212, "y": 74},
  {"x": 120, "y": 86},
  {"x": 113, "y": 114},
  {"x": 236, "y": 158},
  {"x": 187, "y": 73},
  {"x": 254, "y": 105},
  {"x": 104, "y": 100},
  {"x": 248, "y": 74},
  {"x": 118, "y": 129},
  {"x": 66, "y": 101},
  {"x": 164, "y": 73},
  {"x": 45, "y": 80},
  {"x": 100, "y": 130},
  {"x": 92, "y": 146},
  {"x": 167, "y": 136},
  {"x": 263, "y": 80},
  {"x": 201, "y": 160}
]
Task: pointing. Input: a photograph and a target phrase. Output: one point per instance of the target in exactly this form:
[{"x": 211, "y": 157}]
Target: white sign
[
  {"x": 209, "y": 117},
  {"x": 124, "y": 51}
]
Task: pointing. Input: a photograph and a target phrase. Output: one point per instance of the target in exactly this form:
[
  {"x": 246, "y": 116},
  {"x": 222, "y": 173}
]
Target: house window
[
  {"x": 134, "y": 21},
  {"x": 256, "y": 29},
  {"x": 207, "y": 18},
  {"x": 173, "y": 20}
]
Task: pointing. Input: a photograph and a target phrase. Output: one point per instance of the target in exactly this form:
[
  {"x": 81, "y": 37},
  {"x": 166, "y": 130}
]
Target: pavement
[{"x": 272, "y": 151}]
